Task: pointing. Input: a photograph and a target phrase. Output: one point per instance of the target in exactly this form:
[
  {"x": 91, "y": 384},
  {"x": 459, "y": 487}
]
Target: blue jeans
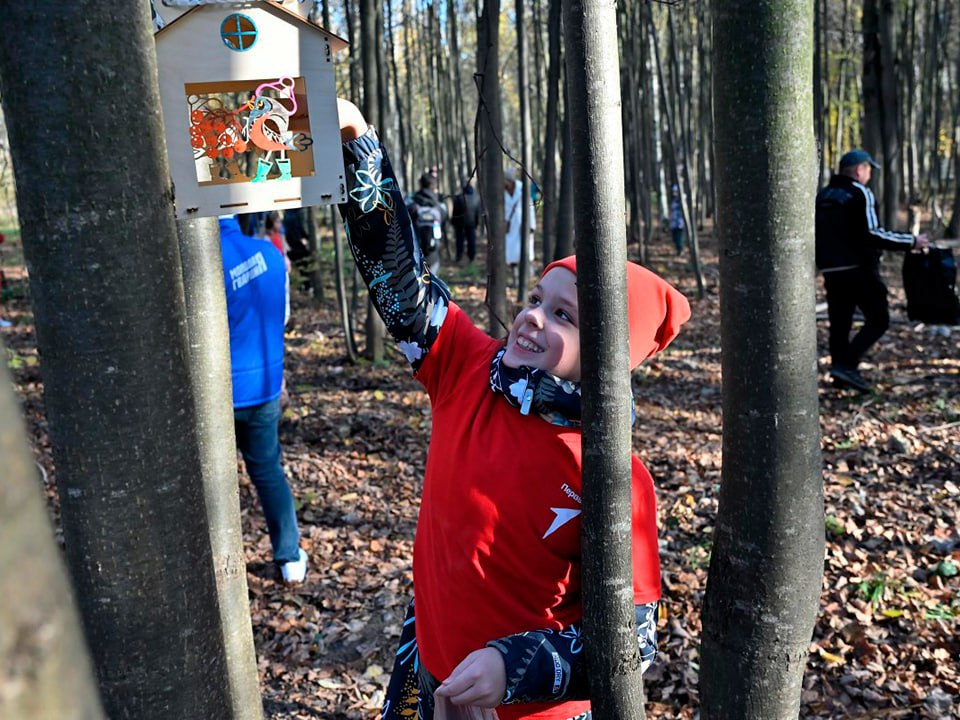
[{"x": 259, "y": 444}]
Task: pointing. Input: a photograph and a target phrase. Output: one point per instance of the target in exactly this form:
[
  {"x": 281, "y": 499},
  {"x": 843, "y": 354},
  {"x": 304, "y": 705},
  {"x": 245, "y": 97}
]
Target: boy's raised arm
[{"x": 412, "y": 302}]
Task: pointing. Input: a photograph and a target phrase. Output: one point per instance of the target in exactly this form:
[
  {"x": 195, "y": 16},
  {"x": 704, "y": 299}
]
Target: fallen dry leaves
[{"x": 885, "y": 644}]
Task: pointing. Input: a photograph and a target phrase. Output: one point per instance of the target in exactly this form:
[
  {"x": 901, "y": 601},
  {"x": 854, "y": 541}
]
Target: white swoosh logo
[{"x": 563, "y": 516}]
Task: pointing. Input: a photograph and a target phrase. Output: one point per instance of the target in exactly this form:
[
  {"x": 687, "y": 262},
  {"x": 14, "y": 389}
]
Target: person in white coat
[{"x": 513, "y": 216}]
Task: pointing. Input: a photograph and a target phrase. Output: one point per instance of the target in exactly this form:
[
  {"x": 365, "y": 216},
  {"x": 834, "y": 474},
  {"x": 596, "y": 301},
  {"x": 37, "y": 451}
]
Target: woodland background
[{"x": 355, "y": 432}]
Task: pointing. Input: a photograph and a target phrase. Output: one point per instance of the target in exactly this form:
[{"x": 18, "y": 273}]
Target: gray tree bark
[
  {"x": 526, "y": 155},
  {"x": 566, "y": 242},
  {"x": 96, "y": 210},
  {"x": 593, "y": 80},
  {"x": 490, "y": 162},
  {"x": 369, "y": 18},
  {"x": 767, "y": 558},
  {"x": 550, "y": 193},
  {"x": 46, "y": 673},
  {"x": 208, "y": 337}
]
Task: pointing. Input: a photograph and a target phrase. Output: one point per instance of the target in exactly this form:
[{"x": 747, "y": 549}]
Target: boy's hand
[
  {"x": 921, "y": 242},
  {"x": 352, "y": 124},
  {"x": 479, "y": 680}
]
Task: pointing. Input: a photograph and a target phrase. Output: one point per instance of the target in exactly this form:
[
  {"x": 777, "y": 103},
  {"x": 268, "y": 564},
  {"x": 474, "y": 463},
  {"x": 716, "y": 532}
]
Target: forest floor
[{"x": 355, "y": 436}]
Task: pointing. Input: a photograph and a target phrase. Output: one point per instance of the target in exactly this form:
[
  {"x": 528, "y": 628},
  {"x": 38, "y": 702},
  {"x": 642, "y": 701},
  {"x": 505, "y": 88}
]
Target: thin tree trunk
[
  {"x": 767, "y": 559},
  {"x": 656, "y": 93},
  {"x": 491, "y": 165},
  {"x": 101, "y": 244},
  {"x": 953, "y": 229},
  {"x": 402, "y": 110},
  {"x": 348, "y": 339},
  {"x": 369, "y": 18},
  {"x": 526, "y": 155},
  {"x": 892, "y": 165},
  {"x": 458, "y": 99},
  {"x": 550, "y": 139},
  {"x": 47, "y": 673},
  {"x": 314, "y": 270},
  {"x": 873, "y": 135},
  {"x": 208, "y": 337},
  {"x": 566, "y": 242},
  {"x": 593, "y": 79},
  {"x": 683, "y": 184}
]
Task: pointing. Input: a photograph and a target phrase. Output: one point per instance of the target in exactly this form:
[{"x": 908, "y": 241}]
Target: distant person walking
[
  {"x": 849, "y": 244},
  {"x": 255, "y": 278},
  {"x": 428, "y": 213},
  {"x": 513, "y": 215},
  {"x": 465, "y": 218},
  {"x": 677, "y": 226}
]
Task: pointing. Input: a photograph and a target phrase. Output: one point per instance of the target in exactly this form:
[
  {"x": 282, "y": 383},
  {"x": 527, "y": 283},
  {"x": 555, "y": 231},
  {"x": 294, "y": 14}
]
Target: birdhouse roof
[{"x": 337, "y": 43}]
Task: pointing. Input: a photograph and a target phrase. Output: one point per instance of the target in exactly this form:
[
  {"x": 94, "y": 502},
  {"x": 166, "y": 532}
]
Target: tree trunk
[
  {"x": 526, "y": 155},
  {"x": 566, "y": 243},
  {"x": 678, "y": 144},
  {"x": 47, "y": 673},
  {"x": 550, "y": 141},
  {"x": 208, "y": 337},
  {"x": 400, "y": 164},
  {"x": 593, "y": 79},
  {"x": 369, "y": 18},
  {"x": 313, "y": 243},
  {"x": 349, "y": 342},
  {"x": 767, "y": 558},
  {"x": 953, "y": 229},
  {"x": 100, "y": 241},
  {"x": 491, "y": 166},
  {"x": 892, "y": 166}
]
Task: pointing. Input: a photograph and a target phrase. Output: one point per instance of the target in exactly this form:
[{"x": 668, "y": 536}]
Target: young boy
[{"x": 497, "y": 552}]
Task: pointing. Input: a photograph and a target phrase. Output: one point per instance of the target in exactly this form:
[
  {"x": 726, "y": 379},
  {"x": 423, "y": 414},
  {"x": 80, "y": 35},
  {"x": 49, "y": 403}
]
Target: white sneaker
[
  {"x": 295, "y": 571},
  {"x": 5, "y": 323}
]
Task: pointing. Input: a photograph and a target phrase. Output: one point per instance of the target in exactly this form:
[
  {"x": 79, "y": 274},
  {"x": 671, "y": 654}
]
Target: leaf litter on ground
[{"x": 355, "y": 438}]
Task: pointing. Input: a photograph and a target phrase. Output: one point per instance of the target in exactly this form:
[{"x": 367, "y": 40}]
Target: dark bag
[{"x": 930, "y": 282}]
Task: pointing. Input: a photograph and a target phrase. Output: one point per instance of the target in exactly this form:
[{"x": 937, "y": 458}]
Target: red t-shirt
[{"x": 497, "y": 549}]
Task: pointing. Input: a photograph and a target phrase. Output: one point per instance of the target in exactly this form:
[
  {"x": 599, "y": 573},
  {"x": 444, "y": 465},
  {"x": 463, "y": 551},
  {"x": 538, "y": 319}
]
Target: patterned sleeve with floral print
[
  {"x": 412, "y": 302},
  {"x": 548, "y": 665}
]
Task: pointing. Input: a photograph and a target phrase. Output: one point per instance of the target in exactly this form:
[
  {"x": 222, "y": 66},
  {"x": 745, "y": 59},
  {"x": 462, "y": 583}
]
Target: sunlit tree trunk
[
  {"x": 550, "y": 191},
  {"x": 47, "y": 673},
  {"x": 526, "y": 154},
  {"x": 491, "y": 165},
  {"x": 208, "y": 337},
  {"x": 100, "y": 241},
  {"x": 593, "y": 78},
  {"x": 369, "y": 19},
  {"x": 767, "y": 558}
]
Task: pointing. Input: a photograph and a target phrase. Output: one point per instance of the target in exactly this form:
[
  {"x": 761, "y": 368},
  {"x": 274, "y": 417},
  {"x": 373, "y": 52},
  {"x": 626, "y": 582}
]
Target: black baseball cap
[{"x": 856, "y": 157}]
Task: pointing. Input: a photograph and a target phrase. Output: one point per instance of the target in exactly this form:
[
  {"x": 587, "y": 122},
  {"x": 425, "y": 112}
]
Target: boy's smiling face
[{"x": 546, "y": 333}]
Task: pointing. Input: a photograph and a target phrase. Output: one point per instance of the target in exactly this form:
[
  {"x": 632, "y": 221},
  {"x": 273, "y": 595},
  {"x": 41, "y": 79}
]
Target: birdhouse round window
[{"x": 238, "y": 32}]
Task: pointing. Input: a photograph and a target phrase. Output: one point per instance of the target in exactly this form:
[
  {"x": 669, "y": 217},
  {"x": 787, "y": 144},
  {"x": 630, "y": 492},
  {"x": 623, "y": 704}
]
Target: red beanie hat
[{"x": 655, "y": 309}]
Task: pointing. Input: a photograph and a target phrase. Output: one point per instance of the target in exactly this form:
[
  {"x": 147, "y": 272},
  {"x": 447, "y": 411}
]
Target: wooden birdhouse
[{"x": 249, "y": 109}]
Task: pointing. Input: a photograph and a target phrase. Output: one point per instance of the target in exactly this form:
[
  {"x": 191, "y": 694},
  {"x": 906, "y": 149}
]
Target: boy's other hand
[
  {"x": 352, "y": 124},
  {"x": 479, "y": 680},
  {"x": 921, "y": 242}
]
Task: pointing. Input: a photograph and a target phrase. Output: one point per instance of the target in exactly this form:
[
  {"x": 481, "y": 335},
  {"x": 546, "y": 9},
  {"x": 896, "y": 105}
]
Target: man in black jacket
[
  {"x": 849, "y": 246},
  {"x": 428, "y": 213},
  {"x": 465, "y": 218}
]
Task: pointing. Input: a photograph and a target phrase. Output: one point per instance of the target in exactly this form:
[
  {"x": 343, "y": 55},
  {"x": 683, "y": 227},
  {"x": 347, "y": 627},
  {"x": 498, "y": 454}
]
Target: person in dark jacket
[
  {"x": 428, "y": 213},
  {"x": 465, "y": 218},
  {"x": 849, "y": 245}
]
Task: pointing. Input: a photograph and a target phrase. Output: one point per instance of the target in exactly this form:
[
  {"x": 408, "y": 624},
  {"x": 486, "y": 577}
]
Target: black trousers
[
  {"x": 847, "y": 290},
  {"x": 466, "y": 236}
]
